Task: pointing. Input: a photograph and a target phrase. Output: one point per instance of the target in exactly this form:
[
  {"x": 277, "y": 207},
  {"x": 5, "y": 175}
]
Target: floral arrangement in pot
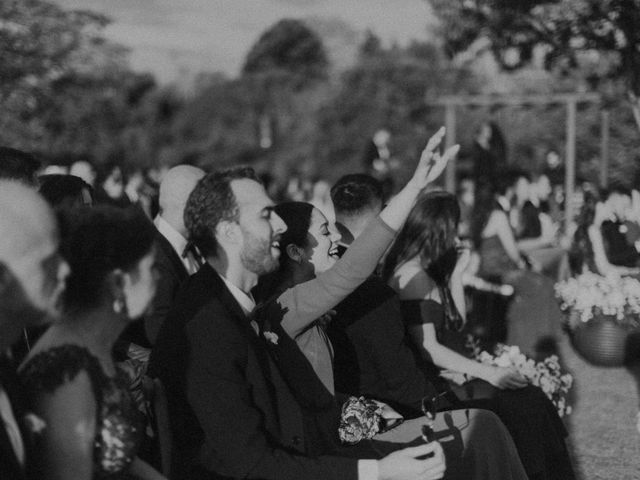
[
  {"x": 600, "y": 314},
  {"x": 590, "y": 296}
]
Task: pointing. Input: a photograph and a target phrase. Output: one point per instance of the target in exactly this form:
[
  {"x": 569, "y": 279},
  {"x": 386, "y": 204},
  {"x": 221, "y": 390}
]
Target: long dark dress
[
  {"x": 527, "y": 413},
  {"x": 533, "y": 316},
  {"x": 118, "y": 425}
]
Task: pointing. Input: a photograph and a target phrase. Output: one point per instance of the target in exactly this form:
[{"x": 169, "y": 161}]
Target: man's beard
[{"x": 256, "y": 255}]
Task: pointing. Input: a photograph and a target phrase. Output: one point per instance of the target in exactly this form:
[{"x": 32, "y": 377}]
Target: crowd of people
[{"x": 263, "y": 327}]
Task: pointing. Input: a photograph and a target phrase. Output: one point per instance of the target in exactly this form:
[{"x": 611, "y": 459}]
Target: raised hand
[{"x": 431, "y": 163}]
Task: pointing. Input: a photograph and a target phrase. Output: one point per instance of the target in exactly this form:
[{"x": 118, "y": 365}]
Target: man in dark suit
[
  {"x": 32, "y": 277},
  {"x": 232, "y": 413},
  {"x": 373, "y": 357},
  {"x": 176, "y": 258}
]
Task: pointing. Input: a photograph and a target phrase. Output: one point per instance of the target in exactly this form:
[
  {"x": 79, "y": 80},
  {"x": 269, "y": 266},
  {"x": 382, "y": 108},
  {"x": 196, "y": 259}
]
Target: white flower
[
  {"x": 34, "y": 423},
  {"x": 271, "y": 337}
]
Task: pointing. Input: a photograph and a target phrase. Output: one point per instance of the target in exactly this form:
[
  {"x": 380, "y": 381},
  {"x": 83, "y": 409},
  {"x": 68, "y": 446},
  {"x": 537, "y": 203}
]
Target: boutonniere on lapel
[
  {"x": 271, "y": 337},
  {"x": 34, "y": 424},
  {"x": 623, "y": 228}
]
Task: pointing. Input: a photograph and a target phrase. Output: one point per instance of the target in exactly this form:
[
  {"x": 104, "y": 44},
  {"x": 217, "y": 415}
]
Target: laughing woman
[
  {"x": 424, "y": 266},
  {"x": 91, "y": 425}
]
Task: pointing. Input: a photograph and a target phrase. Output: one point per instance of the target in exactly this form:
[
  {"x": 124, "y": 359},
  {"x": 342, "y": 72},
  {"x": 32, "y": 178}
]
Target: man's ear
[
  {"x": 294, "y": 253},
  {"x": 228, "y": 232}
]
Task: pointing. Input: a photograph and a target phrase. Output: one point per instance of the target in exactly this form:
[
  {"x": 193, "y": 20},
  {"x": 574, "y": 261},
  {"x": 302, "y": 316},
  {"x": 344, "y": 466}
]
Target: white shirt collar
[
  {"x": 177, "y": 241},
  {"x": 246, "y": 301}
]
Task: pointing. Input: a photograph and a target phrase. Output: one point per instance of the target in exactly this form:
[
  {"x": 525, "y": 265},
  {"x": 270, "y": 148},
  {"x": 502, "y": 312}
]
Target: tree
[
  {"x": 288, "y": 45},
  {"x": 599, "y": 37}
]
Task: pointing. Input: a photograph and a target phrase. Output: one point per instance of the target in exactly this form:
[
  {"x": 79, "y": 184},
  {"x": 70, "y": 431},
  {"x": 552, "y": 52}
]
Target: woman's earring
[{"x": 118, "y": 306}]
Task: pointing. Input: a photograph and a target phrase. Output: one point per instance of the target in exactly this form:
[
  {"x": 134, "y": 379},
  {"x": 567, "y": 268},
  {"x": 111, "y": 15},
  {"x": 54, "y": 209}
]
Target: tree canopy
[{"x": 288, "y": 45}]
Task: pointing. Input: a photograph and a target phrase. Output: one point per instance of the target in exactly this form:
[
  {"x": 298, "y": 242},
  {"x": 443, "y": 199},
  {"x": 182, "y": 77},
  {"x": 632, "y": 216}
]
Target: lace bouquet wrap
[{"x": 361, "y": 419}]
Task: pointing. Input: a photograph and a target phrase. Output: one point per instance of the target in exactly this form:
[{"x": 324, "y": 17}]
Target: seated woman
[
  {"x": 587, "y": 251},
  {"x": 475, "y": 442},
  {"x": 424, "y": 266},
  {"x": 91, "y": 426},
  {"x": 533, "y": 317}
]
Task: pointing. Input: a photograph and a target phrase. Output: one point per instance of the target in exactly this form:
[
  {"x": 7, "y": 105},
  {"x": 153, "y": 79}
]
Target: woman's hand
[
  {"x": 424, "y": 462},
  {"x": 506, "y": 378},
  {"x": 431, "y": 162}
]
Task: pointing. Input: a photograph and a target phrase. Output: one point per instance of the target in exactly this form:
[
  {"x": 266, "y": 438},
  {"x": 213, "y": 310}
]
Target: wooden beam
[
  {"x": 450, "y": 140},
  {"x": 491, "y": 100},
  {"x": 570, "y": 164},
  {"x": 605, "y": 136}
]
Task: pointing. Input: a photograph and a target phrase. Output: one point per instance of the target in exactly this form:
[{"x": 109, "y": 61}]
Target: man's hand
[{"x": 411, "y": 464}]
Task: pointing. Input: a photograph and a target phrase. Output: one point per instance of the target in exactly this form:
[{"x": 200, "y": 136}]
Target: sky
[{"x": 175, "y": 39}]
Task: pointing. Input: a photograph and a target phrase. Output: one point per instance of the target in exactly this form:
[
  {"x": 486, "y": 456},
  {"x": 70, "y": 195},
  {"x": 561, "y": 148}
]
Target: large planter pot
[{"x": 605, "y": 343}]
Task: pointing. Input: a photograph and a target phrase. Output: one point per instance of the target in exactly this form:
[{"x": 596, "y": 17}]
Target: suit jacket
[
  {"x": 619, "y": 251},
  {"x": 231, "y": 410},
  {"x": 171, "y": 275},
  {"x": 10, "y": 467},
  {"x": 373, "y": 355}
]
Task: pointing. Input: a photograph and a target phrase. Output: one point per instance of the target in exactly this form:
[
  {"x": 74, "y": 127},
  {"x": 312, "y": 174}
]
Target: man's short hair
[
  {"x": 18, "y": 165},
  {"x": 212, "y": 202},
  {"x": 615, "y": 188},
  {"x": 355, "y": 192}
]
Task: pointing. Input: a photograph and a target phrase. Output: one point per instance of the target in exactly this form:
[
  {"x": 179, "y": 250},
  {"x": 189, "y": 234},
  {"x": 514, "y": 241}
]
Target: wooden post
[
  {"x": 570, "y": 164},
  {"x": 605, "y": 123},
  {"x": 450, "y": 140}
]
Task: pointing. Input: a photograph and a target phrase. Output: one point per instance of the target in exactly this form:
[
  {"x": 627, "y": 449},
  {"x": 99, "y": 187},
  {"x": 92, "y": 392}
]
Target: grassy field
[{"x": 603, "y": 435}]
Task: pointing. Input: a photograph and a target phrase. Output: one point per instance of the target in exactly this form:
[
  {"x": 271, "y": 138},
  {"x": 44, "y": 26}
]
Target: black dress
[
  {"x": 118, "y": 426},
  {"x": 527, "y": 413}
]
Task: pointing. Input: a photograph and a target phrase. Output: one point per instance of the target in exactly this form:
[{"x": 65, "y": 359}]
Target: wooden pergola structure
[{"x": 452, "y": 102}]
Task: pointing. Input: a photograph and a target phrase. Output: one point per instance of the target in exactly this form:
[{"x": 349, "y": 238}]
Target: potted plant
[{"x": 602, "y": 317}]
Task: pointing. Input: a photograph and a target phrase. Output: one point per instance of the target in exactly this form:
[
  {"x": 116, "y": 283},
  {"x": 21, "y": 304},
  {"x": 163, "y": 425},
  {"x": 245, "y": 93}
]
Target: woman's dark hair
[
  {"x": 95, "y": 242},
  {"x": 484, "y": 204},
  {"x": 63, "y": 191},
  {"x": 297, "y": 217},
  {"x": 581, "y": 250},
  {"x": 430, "y": 231}
]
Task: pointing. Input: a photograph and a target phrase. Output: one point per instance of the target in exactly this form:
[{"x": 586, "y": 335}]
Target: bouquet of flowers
[
  {"x": 546, "y": 374},
  {"x": 589, "y": 295}
]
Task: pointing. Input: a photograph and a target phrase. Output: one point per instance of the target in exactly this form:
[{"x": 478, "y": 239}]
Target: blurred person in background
[
  {"x": 533, "y": 317},
  {"x": 110, "y": 189},
  {"x": 85, "y": 170}
]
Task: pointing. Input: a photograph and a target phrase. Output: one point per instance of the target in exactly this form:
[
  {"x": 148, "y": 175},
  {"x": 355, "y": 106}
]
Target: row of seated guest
[
  {"x": 533, "y": 316},
  {"x": 82, "y": 421},
  {"x": 607, "y": 234},
  {"x": 370, "y": 351},
  {"x": 233, "y": 399},
  {"x": 235, "y": 409}
]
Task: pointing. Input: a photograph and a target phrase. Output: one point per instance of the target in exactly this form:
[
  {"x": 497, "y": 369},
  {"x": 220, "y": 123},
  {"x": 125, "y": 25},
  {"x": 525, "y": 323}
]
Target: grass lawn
[{"x": 603, "y": 435}]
